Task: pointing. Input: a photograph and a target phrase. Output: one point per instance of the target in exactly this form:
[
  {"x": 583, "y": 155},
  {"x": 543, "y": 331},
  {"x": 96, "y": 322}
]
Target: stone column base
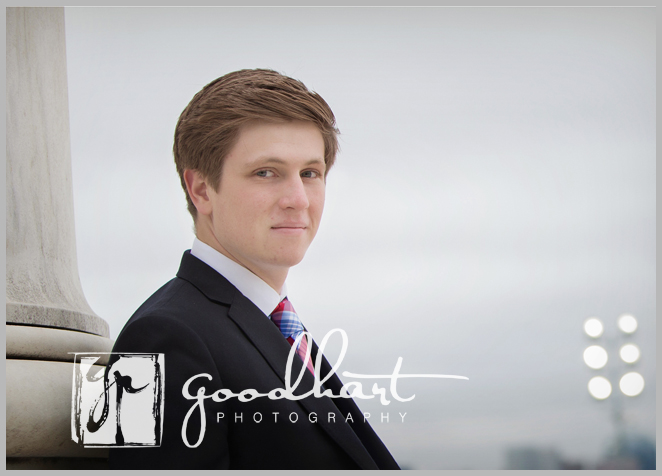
[{"x": 39, "y": 383}]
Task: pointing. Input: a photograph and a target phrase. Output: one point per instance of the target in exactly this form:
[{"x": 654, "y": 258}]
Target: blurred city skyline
[{"x": 494, "y": 189}]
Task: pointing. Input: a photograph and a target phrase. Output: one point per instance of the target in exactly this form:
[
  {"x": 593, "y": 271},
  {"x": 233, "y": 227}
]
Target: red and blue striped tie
[{"x": 286, "y": 319}]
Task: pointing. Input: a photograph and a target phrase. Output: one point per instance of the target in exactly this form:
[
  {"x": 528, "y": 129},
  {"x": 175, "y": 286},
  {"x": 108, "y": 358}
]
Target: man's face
[{"x": 271, "y": 196}]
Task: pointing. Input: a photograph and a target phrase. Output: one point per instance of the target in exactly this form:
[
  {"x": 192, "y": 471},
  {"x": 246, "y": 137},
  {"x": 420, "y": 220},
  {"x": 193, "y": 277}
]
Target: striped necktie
[{"x": 286, "y": 319}]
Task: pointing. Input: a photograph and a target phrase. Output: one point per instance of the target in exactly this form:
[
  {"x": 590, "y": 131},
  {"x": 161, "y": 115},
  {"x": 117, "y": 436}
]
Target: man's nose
[{"x": 294, "y": 195}]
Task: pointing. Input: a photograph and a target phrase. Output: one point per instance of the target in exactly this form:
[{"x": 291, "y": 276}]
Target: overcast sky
[{"x": 495, "y": 188}]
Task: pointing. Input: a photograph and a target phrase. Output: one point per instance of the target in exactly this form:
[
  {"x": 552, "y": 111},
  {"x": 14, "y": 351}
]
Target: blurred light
[
  {"x": 595, "y": 357},
  {"x": 631, "y": 384},
  {"x": 630, "y": 353},
  {"x": 593, "y": 327},
  {"x": 627, "y": 323},
  {"x": 599, "y": 388}
]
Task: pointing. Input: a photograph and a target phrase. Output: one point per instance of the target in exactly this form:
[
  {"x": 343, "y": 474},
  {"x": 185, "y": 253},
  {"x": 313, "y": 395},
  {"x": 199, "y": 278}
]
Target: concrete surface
[{"x": 39, "y": 396}]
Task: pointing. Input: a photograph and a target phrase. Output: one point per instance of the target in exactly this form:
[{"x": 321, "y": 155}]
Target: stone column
[{"x": 47, "y": 314}]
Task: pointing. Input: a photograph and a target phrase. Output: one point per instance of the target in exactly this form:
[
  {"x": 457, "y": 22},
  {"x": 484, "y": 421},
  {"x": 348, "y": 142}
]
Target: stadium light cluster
[{"x": 596, "y": 357}]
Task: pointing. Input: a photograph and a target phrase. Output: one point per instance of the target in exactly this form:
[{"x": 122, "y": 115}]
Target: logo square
[{"x": 118, "y": 405}]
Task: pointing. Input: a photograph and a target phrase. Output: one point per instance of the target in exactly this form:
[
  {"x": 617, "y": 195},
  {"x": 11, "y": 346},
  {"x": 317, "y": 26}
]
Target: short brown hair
[{"x": 209, "y": 126}]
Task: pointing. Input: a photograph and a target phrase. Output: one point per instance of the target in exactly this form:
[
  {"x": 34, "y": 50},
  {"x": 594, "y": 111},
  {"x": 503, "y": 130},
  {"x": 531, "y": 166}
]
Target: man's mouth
[
  {"x": 294, "y": 228},
  {"x": 290, "y": 225}
]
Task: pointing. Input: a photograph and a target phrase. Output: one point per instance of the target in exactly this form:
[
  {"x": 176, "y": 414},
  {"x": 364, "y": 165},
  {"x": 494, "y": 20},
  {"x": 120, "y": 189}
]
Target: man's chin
[{"x": 287, "y": 260}]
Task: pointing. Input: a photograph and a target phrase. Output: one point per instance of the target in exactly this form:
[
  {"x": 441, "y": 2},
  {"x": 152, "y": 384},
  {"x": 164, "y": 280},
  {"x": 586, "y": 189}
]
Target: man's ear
[{"x": 198, "y": 190}]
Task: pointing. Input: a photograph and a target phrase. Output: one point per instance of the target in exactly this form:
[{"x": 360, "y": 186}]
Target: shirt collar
[{"x": 248, "y": 283}]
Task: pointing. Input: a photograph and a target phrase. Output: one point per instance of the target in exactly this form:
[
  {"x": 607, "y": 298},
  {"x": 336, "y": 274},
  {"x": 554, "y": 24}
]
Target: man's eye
[
  {"x": 310, "y": 174},
  {"x": 264, "y": 173}
]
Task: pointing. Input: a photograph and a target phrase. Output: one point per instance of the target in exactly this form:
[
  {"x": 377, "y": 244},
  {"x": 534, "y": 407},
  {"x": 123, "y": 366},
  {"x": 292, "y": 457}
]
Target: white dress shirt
[{"x": 248, "y": 283}]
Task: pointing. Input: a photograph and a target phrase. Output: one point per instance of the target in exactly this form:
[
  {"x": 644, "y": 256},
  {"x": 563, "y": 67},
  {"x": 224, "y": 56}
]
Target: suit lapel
[{"x": 266, "y": 337}]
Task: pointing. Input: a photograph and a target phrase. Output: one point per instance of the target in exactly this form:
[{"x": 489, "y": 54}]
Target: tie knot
[{"x": 285, "y": 317}]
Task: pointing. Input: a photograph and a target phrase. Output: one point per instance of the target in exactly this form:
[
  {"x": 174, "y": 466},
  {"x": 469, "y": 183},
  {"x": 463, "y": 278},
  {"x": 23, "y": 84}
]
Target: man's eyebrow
[{"x": 275, "y": 160}]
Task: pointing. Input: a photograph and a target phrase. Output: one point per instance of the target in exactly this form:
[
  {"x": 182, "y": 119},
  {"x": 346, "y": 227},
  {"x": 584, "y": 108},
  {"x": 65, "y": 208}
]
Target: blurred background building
[
  {"x": 635, "y": 452},
  {"x": 533, "y": 458}
]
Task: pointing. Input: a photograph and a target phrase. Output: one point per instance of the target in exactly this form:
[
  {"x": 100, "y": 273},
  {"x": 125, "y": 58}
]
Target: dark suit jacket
[{"x": 203, "y": 324}]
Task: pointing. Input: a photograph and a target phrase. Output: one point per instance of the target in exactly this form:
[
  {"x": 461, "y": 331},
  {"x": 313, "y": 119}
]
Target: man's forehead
[{"x": 279, "y": 143}]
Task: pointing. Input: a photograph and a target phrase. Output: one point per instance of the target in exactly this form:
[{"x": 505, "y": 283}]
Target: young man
[{"x": 252, "y": 149}]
